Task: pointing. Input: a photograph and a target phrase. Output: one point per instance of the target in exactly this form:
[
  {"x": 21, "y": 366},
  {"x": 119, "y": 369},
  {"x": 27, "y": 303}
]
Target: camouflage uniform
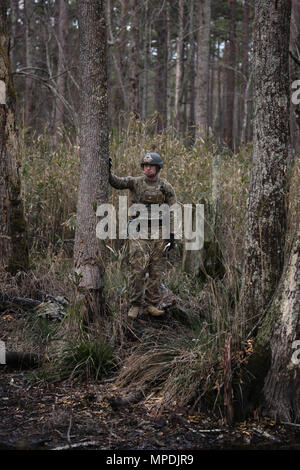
[{"x": 146, "y": 255}]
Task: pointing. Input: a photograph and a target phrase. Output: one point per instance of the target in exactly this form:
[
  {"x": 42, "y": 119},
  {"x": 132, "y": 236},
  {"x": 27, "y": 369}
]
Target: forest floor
[{"x": 86, "y": 415}]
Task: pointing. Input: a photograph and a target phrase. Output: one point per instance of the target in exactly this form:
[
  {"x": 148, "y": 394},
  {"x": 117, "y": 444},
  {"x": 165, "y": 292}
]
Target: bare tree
[{"x": 93, "y": 183}]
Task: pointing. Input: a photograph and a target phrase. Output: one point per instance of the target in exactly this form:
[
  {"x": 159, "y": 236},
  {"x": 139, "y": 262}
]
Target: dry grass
[{"x": 184, "y": 363}]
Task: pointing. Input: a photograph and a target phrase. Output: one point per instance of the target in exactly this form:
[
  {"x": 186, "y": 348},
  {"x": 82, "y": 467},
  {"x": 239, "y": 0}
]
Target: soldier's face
[{"x": 150, "y": 171}]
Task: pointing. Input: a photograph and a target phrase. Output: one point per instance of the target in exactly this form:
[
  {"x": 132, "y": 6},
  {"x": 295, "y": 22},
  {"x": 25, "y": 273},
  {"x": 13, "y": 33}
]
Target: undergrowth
[{"x": 182, "y": 361}]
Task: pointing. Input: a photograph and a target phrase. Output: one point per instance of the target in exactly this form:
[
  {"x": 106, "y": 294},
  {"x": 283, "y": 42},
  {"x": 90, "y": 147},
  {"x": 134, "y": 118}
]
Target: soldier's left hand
[{"x": 171, "y": 242}]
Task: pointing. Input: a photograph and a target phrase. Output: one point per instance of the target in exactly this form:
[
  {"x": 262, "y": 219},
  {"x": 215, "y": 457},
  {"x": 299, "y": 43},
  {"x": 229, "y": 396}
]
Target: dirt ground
[
  {"x": 81, "y": 416},
  {"x": 86, "y": 416}
]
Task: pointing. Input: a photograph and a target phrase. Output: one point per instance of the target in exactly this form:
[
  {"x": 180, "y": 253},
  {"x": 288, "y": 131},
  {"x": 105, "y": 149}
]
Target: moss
[{"x": 259, "y": 363}]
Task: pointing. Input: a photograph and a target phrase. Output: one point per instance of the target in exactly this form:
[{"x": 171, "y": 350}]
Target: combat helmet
[{"x": 152, "y": 158}]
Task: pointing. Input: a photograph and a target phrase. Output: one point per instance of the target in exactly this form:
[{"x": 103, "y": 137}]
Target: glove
[
  {"x": 109, "y": 163},
  {"x": 170, "y": 243}
]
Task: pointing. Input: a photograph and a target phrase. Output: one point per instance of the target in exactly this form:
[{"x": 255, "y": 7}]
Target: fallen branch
[
  {"x": 52, "y": 308},
  {"x": 22, "y": 360},
  {"x": 291, "y": 424},
  {"x": 24, "y": 302},
  {"x": 74, "y": 446},
  {"x": 266, "y": 435}
]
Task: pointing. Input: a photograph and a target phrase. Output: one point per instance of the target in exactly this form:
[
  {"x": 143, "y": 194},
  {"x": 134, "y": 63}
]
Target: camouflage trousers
[{"x": 146, "y": 260}]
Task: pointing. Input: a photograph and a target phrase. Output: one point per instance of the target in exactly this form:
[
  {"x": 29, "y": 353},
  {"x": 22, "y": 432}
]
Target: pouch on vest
[{"x": 153, "y": 197}]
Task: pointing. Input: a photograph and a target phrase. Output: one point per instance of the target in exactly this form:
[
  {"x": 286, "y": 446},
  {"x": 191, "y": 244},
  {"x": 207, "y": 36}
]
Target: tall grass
[{"x": 184, "y": 363}]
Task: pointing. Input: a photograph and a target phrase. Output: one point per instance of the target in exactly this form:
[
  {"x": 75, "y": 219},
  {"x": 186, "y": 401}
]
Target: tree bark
[
  {"x": 62, "y": 27},
  {"x": 202, "y": 71},
  {"x": 13, "y": 237},
  {"x": 192, "y": 73},
  {"x": 179, "y": 66},
  {"x": 230, "y": 78},
  {"x": 94, "y": 150},
  {"x": 28, "y": 63},
  {"x": 218, "y": 116},
  {"x": 14, "y": 32},
  {"x": 134, "y": 54},
  {"x": 282, "y": 385},
  {"x": 161, "y": 83},
  {"x": 245, "y": 113},
  {"x": 245, "y": 72},
  {"x": 266, "y": 220},
  {"x": 294, "y": 74}
]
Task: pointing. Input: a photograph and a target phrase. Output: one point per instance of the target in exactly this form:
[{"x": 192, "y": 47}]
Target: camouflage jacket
[{"x": 144, "y": 192}]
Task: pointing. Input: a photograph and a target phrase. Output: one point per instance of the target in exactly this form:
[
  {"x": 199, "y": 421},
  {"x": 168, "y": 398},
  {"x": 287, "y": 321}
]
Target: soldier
[{"x": 146, "y": 255}]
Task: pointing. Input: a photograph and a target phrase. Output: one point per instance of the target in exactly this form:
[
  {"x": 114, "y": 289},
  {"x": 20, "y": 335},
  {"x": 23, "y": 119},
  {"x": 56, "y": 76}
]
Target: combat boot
[
  {"x": 134, "y": 311},
  {"x": 151, "y": 310}
]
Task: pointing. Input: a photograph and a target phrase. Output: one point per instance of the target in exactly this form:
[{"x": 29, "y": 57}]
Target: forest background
[{"x": 181, "y": 82}]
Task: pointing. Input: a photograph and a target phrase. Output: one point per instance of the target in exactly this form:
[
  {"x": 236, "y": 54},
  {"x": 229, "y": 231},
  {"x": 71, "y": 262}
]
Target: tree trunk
[
  {"x": 179, "y": 66},
  {"x": 230, "y": 78},
  {"x": 28, "y": 64},
  {"x": 266, "y": 222},
  {"x": 282, "y": 385},
  {"x": 146, "y": 63},
  {"x": 94, "y": 150},
  {"x": 217, "y": 125},
  {"x": 62, "y": 27},
  {"x": 211, "y": 90},
  {"x": 122, "y": 48},
  {"x": 191, "y": 66},
  {"x": 13, "y": 239},
  {"x": 161, "y": 83},
  {"x": 14, "y": 32},
  {"x": 245, "y": 72},
  {"x": 294, "y": 73},
  {"x": 245, "y": 113},
  {"x": 134, "y": 66},
  {"x": 202, "y": 72}
]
